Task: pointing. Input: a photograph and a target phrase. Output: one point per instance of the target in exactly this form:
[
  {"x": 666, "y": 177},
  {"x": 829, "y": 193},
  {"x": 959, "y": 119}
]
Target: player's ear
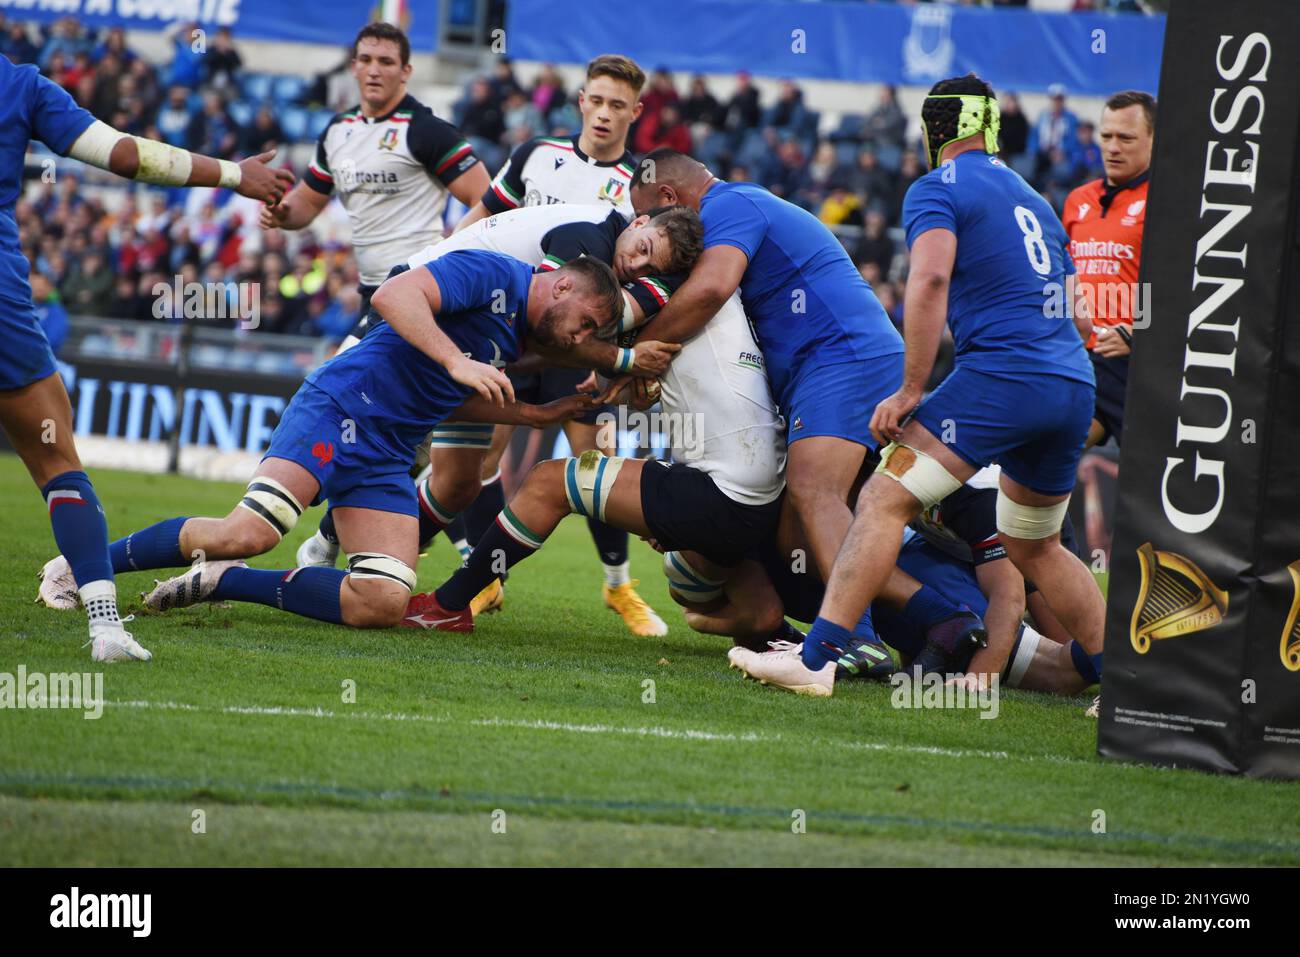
[
  {"x": 636, "y": 110},
  {"x": 406, "y": 71},
  {"x": 639, "y": 221}
]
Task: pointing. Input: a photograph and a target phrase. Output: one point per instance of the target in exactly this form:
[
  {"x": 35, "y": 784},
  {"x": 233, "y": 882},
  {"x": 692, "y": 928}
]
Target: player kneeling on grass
[
  {"x": 720, "y": 496},
  {"x": 347, "y": 436}
]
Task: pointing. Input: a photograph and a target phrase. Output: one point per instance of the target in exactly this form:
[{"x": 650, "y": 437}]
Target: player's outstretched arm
[
  {"x": 409, "y": 302},
  {"x": 478, "y": 409},
  {"x": 149, "y": 161}
]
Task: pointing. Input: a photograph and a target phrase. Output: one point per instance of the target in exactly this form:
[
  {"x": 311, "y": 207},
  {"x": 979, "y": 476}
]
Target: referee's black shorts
[{"x": 1112, "y": 383}]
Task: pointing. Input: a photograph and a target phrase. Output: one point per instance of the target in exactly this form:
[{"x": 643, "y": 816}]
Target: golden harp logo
[
  {"x": 1291, "y": 633},
  {"x": 1176, "y": 599}
]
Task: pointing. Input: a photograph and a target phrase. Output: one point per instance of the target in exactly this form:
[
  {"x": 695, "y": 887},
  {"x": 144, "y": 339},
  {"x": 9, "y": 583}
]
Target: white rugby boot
[
  {"x": 58, "y": 588},
  {"x": 317, "y": 551},
  {"x": 783, "y": 667},
  {"x": 110, "y": 642},
  {"x": 189, "y": 588}
]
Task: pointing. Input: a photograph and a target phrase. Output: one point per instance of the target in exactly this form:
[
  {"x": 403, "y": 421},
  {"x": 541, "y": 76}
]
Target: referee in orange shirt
[{"x": 1104, "y": 220}]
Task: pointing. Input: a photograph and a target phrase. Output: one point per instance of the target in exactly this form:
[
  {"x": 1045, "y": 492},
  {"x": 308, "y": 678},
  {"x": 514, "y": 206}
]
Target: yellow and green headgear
[{"x": 977, "y": 114}]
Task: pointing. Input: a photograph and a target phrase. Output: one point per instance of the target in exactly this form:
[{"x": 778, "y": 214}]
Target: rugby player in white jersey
[{"x": 391, "y": 162}]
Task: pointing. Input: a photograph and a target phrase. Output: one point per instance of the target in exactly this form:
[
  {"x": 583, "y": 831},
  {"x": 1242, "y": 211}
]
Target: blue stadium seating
[
  {"x": 295, "y": 121},
  {"x": 289, "y": 89},
  {"x": 319, "y": 120},
  {"x": 256, "y": 86},
  {"x": 242, "y": 111}
]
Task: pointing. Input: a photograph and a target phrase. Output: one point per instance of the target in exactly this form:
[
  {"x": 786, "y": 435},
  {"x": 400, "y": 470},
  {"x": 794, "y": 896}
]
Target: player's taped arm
[
  {"x": 149, "y": 161},
  {"x": 926, "y": 305}
]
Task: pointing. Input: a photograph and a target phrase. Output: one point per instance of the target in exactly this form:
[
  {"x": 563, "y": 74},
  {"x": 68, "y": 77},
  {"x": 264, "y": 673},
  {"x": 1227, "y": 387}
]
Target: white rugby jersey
[
  {"x": 549, "y": 170},
  {"x": 522, "y": 233},
  {"x": 716, "y": 389},
  {"x": 391, "y": 173}
]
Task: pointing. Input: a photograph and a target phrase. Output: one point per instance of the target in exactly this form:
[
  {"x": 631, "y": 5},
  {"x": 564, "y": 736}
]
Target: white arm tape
[
  {"x": 94, "y": 146},
  {"x": 159, "y": 163}
]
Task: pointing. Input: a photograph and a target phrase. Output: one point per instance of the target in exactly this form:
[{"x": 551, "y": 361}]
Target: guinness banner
[{"x": 1203, "y": 624}]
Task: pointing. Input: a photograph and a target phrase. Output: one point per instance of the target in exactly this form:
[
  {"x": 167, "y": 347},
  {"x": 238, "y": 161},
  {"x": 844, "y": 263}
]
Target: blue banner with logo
[
  {"x": 915, "y": 45},
  {"x": 333, "y": 22}
]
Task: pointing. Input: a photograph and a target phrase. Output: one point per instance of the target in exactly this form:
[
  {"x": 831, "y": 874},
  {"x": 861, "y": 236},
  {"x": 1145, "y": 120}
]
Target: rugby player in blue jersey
[
  {"x": 990, "y": 257},
  {"x": 347, "y": 435},
  {"x": 34, "y": 407},
  {"x": 831, "y": 351}
]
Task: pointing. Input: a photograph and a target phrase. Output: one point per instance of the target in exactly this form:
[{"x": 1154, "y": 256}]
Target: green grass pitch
[{"x": 535, "y": 741}]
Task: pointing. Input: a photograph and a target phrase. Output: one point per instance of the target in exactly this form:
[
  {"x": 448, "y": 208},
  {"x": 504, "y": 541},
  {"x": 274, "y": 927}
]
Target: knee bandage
[
  {"x": 686, "y": 583},
  {"x": 1022, "y": 656},
  {"x": 379, "y": 565},
  {"x": 1029, "y": 521},
  {"x": 917, "y": 472},
  {"x": 272, "y": 503},
  {"x": 588, "y": 480}
]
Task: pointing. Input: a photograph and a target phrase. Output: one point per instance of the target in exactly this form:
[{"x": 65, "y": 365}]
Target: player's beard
[{"x": 545, "y": 330}]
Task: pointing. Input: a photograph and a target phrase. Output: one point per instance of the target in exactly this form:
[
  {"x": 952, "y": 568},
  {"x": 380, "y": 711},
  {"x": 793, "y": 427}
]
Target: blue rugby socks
[
  {"x": 1088, "y": 666},
  {"x": 826, "y": 641},
  {"x": 311, "y": 592},
  {"x": 158, "y": 546},
  {"x": 80, "y": 529}
]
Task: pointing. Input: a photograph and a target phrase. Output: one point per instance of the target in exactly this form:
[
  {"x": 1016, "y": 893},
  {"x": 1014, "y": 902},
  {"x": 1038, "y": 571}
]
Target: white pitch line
[{"x": 654, "y": 731}]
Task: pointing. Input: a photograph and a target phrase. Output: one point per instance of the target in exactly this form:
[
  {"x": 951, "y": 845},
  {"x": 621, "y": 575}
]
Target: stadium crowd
[{"x": 100, "y": 259}]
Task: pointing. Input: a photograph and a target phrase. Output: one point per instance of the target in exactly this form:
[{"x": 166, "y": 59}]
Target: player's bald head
[{"x": 666, "y": 177}]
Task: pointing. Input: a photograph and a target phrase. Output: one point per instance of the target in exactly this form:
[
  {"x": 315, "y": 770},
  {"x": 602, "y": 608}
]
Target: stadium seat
[
  {"x": 295, "y": 120},
  {"x": 242, "y": 111},
  {"x": 256, "y": 86},
  {"x": 288, "y": 90},
  {"x": 889, "y": 156},
  {"x": 319, "y": 120},
  {"x": 849, "y": 128}
]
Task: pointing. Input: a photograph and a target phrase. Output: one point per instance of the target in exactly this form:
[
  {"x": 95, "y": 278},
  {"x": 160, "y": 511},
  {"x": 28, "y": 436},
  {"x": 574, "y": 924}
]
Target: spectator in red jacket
[{"x": 665, "y": 128}]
